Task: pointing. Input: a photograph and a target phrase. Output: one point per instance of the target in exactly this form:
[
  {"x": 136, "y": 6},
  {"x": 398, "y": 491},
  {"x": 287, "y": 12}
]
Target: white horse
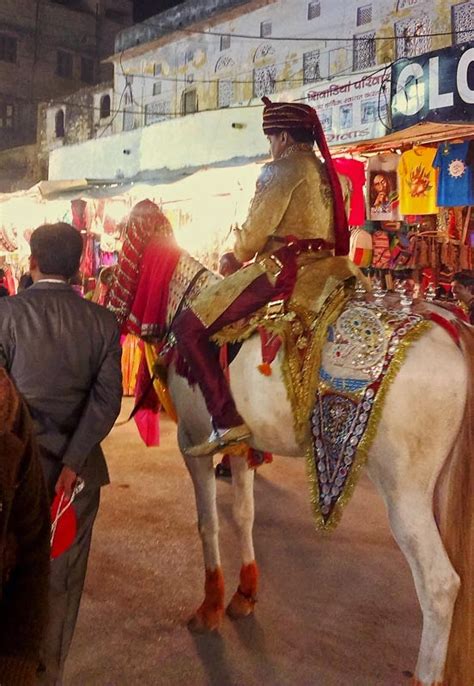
[
  {"x": 426, "y": 419},
  {"x": 421, "y": 462}
]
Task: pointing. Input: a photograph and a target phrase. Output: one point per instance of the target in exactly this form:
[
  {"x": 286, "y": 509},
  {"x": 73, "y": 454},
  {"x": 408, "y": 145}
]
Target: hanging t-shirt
[
  {"x": 355, "y": 171},
  {"x": 383, "y": 192},
  {"x": 454, "y": 180},
  {"x": 418, "y": 181}
]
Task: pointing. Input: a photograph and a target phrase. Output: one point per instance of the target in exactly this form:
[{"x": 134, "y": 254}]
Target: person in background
[
  {"x": 25, "y": 282},
  {"x": 462, "y": 286},
  {"x": 24, "y": 543},
  {"x": 63, "y": 353}
]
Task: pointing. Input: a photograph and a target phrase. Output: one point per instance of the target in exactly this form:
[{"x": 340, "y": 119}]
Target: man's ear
[{"x": 33, "y": 263}]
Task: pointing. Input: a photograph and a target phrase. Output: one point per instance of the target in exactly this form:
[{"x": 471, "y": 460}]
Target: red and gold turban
[{"x": 288, "y": 116}]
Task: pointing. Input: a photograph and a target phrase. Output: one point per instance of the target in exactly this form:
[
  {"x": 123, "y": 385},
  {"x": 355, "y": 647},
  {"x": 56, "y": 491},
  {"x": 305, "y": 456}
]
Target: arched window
[
  {"x": 105, "y": 106},
  {"x": 59, "y": 124}
]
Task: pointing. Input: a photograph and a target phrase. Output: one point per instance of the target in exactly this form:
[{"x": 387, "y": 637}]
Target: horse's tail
[{"x": 456, "y": 491}]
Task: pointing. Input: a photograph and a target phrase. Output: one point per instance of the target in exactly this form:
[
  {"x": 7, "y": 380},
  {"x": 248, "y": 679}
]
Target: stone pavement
[{"x": 332, "y": 611}]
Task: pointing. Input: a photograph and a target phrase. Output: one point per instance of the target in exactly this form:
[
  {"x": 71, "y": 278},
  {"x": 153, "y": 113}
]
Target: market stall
[{"x": 413, "y": 191}]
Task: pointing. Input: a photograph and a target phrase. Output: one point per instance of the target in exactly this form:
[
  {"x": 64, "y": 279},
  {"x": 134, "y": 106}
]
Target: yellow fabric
[
  {"x": 418, "y": 180},
  {"x": 131, "y": 357},
  {"x": 161, "y": 388},
  {"x": 293, "y": 197}
]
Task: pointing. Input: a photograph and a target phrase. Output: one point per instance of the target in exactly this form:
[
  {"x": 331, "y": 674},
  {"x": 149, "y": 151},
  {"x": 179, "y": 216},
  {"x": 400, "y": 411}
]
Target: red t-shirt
[{"x": 355, "y": 171}]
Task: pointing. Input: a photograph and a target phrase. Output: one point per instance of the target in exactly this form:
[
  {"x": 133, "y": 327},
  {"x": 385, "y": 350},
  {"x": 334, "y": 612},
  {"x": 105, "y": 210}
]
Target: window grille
[
  {"x": 364, "y": 50},
  {"x": 311, "y": 67},
  {"x": 264, "y": 81},
  {"x": 412, "y": 36},
  {"x": 463, "y": 22}
]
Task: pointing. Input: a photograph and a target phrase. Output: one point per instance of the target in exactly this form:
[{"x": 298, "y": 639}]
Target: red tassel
[{"x": 265, "y": 369}]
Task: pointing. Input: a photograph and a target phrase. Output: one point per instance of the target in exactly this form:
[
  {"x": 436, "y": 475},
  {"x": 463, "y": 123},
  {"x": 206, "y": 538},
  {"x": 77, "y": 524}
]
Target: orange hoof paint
[
  {"x": 243, "y": 601},
  {"x": 209, "y": 615},
  {"x": 417, "y": 682}
]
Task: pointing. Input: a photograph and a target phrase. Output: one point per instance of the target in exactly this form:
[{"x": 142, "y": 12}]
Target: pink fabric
[
  {"x": 148, "y": 425},
  {"x": 355, "y": 172}
]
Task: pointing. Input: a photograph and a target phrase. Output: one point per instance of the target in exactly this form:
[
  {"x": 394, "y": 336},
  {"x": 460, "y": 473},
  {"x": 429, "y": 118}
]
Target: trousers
[
  {"x": 202, "y": 356},
  {"x": 67, "y": 574}
]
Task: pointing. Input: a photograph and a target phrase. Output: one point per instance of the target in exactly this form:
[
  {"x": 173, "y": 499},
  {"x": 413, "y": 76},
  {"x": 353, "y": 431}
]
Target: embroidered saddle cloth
[{"x": 365, "y": 349}]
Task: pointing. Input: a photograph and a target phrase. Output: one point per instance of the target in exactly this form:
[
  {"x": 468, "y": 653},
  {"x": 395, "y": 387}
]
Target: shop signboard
[
  {"x": 437, "y": 86},
  {"x": 352, "y": 109}
]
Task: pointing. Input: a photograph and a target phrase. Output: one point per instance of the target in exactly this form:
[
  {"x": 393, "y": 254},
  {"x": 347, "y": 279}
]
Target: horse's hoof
[
  {"x": 205, "y": 623},
  {"x": 240, "y": 606}
]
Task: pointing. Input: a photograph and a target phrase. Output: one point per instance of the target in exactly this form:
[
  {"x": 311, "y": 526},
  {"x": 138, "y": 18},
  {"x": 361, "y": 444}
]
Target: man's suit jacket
[{"x": 63, "y": 354}]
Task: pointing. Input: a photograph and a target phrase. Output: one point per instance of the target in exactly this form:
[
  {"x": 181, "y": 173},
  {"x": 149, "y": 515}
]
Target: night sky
[{"x": 147, "y": 8}]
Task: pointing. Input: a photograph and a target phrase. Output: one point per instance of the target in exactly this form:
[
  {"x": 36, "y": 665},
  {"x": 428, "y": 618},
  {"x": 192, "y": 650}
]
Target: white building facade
[{"x": 187, "y": 88}]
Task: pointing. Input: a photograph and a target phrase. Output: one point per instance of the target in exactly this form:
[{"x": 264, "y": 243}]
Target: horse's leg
[
  {"x": 244, "y": 599},
  {"x": 436, "y": 581},
  {"x": 413, "y": 441},
  {"x": 208, "y": 617}
]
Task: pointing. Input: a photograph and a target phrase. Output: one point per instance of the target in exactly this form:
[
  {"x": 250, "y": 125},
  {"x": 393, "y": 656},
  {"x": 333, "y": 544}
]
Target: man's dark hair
[
  {"x": 2, "y": 273},
  {"x": 299, "y": 135},
  {"x": 4, "y": 292},
  {"x": 465, "y": 278},
  {"x": 57, "y": 249},
  {"x": 25, "y": 282}
]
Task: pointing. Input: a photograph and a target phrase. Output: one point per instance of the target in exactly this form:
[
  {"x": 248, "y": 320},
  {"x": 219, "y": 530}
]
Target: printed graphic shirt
[
  {"x": 418, "y": 180},
  {"x": 455, "y": 176},
  {"x": 383, "y": 188},
  {"x": 355, "y": 171}
]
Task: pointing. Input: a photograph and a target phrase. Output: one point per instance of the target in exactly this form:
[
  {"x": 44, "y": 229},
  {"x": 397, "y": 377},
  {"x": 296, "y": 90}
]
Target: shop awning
[{"x": 419, "y": 134}]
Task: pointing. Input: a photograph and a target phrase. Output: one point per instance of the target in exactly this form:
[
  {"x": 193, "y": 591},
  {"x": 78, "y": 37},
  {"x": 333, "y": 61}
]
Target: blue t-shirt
[{"x": 455, "y": 186}]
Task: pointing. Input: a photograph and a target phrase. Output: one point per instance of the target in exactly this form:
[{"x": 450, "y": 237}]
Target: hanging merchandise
[
  {"x": 470, "y": 160},
  {"x": 418, "y": 181},
  {"x": 360, "y": 251},
  {"x": 79, "y": 215},
  {"x": 383, "y": 187},
  {"x": 355, "y": 172},
  {"x": 381, "y": 247},
  {"x": 455, "y": 177}
]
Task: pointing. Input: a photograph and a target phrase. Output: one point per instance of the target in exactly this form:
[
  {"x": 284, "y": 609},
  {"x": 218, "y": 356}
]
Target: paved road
[{"x": 332, "y": 611}]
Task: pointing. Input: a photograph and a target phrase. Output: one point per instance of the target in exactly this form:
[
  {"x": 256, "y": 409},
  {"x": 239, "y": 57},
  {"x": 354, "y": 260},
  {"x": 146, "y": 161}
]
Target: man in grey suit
[{"x": 63, "y": 354}]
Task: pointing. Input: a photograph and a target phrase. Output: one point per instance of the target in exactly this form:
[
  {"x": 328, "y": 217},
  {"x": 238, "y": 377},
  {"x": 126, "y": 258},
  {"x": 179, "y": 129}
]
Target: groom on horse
[{"x": 297, "y": 209}]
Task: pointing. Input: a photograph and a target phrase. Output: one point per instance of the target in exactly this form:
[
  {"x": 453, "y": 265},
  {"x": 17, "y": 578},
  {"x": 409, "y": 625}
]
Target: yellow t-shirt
[{"x": 418, "y": 180}]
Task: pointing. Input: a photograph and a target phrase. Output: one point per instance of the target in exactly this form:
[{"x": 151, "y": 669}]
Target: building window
[
  {"x": 7, "y": 112},
  {"x": 463, "y": 22},
  {"x": 87, "y": 70},
  {"x": 364, "y": 51},
  {"x": 364, "y": 15},
  {"x": 265, "y": 29},
  {"x": 189, "y": 102},
  {"x": 156, "y": 111},
  {"x": 157, "y": 88},
  {"x": 158, "y": 69},
  {"x": 105, "y": 107},
  {"x": 225, "y": 42},
  {"x": 225, "y": 93},
  {"x": 264, "y": 79},
  {"x": 59, "y": 124},
  {"x": 64, "y": 64},
  {"x": 311, "y": 67},
  {"x": 314, "y": 10},
  {"x": 413, "y": 36},
  {"x": 8, "y": 46},
  {"x": 128, "y": 120}
]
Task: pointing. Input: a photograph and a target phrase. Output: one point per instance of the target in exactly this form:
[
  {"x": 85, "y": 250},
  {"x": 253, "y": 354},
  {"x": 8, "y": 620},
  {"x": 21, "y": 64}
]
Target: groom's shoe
[{"x": 219, "y": 440}]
